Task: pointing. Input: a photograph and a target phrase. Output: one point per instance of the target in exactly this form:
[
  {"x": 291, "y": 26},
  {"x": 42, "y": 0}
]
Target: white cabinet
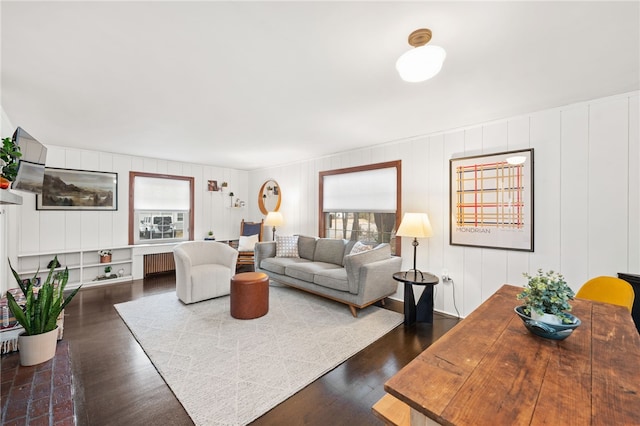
[{"x": 84, "y": 265}]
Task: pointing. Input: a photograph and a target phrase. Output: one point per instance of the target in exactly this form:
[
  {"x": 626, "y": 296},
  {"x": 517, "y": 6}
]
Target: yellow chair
[{"x": 608, "y": 290}]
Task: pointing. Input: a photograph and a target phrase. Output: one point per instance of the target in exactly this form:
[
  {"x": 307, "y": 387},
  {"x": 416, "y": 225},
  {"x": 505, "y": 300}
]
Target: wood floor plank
[{"x": 116, "y": 383}]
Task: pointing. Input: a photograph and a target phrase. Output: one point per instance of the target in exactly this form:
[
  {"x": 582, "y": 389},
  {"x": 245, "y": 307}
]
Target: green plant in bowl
[{"x": 547, "y": 293}]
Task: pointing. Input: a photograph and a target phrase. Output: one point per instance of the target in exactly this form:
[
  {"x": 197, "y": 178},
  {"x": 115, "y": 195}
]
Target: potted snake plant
[{"x": 40, "y": 313}]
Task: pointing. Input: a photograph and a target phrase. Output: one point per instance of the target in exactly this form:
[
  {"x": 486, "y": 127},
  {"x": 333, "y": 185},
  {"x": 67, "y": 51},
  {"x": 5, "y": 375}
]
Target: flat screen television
[{"x": 31, "y": 164}]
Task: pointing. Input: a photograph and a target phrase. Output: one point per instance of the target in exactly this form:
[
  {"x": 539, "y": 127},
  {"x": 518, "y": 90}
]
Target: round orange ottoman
[{"x": 249, "y": 295}]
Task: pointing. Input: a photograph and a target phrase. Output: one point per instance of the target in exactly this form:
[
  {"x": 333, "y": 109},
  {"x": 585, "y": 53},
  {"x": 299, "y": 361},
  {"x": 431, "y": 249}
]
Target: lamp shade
[
  {"x": 274, "y": 219},
  {"x": 421, "y": 63},
  {"x": 415, "y": 225}
]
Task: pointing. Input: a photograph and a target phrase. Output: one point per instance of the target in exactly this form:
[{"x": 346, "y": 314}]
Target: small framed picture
[{"x": 212, "y": 185}]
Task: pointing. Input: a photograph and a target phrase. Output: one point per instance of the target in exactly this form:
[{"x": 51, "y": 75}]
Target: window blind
[
  {"x": 161, "y": 194},
  {"x": 365, "y": 191}
]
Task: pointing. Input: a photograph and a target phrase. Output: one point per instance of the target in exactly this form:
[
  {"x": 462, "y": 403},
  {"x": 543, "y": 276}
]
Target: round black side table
[{"x": 423, "y": 311}]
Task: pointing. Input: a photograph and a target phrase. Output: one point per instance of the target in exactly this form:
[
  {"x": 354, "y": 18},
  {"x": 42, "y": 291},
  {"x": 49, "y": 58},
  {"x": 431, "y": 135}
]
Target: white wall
[
  {"x": 32, "y": 231},
  {"x": 587, "y": 196},
  {"x": 6, "y": 212}
]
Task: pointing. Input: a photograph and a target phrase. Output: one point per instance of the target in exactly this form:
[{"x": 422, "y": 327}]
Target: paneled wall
[
  {"x": 32, "y": 231},
  {"x": 6, "y": 211},
  {"x": 587, "y": 196}
]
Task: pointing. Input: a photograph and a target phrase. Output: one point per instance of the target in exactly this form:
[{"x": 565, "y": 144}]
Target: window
[
  {"x": 161, "y": 208},
  {"x": 362, "y": 203},
  {"x": 378, "y": 227}
]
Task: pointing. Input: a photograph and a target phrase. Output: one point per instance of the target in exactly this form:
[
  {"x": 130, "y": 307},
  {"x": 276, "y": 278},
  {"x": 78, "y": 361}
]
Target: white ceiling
[{"x": 253, "y": 84}]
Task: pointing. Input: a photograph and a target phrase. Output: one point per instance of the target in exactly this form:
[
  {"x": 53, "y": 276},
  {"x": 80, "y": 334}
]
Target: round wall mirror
[{"x": 269, "y": 197}]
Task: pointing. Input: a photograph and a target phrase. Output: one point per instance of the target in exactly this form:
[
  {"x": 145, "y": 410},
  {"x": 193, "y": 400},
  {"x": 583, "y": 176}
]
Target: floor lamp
[
  {"x": 415, "y": 225},
  {"x": 274, "y": 219}
]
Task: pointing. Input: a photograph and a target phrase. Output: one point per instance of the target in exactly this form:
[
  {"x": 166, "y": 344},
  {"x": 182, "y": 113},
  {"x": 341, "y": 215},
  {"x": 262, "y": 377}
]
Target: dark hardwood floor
[{"x": 116, "y": 384}]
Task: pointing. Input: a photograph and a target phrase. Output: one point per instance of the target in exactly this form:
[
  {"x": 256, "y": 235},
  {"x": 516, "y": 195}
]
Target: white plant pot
[
  {"x": 38, "y": 348},
  {"x": 548, "y": 318}
]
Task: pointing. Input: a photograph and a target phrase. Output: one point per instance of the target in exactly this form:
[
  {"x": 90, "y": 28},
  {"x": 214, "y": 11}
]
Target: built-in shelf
[
  {"x": 8, "y": 197},
  {"x": 83, "y": 264}
]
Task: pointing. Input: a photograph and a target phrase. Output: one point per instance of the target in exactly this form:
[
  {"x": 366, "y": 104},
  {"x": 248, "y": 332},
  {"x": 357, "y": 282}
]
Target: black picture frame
[
  {"x": 491, "y": 200},
  {"x": 71, "y": 189}
]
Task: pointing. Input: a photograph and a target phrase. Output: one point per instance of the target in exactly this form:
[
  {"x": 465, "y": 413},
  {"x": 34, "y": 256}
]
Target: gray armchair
[{"x": 203, "y": 270}]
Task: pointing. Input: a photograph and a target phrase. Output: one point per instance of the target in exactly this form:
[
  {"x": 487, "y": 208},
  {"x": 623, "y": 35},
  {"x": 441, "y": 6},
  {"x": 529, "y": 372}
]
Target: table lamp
[
  {"x": 415, "y": 225},
  {"x": 274, "y": 219}
]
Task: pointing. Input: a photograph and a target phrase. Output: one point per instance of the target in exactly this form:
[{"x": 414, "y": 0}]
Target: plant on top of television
[{"x": 9, "y": 159}]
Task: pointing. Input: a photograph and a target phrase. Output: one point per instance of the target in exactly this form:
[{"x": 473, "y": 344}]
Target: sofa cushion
[
  {"x": 329, "y": 250},
  {"x": 359, "y": 247},
  {"x": 354, "y": 262},
  {"x": 332, "y": 278},
  {"x": 278, "y": 265},
  {"x": 306, "y": 271},
  {"x": 347, "y": 249},
  {"x": 306, "y": 246},
  {"x": 247, "y": 243},
  {"x": 287, "y": 246}
]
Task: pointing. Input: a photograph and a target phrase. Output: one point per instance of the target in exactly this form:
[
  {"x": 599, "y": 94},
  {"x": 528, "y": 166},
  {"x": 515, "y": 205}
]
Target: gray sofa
[{"x": 325, "y": 267}]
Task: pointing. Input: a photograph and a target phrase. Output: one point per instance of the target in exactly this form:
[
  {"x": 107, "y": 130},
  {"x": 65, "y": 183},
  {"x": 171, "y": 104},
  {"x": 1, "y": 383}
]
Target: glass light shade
[
  {"x": 421, "y": 63},
  {"x": 415, "y": 225},
  {"x": 274, "y": 219}
]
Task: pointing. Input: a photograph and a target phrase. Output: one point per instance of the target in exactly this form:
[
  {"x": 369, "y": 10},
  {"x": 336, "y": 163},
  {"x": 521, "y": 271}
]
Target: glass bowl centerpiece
[{"x": 546, "y": 304}]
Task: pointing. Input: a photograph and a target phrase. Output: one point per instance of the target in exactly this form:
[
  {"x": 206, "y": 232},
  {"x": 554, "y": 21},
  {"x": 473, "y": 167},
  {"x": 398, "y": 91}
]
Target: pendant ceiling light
[{"x": 423, "y": 62}]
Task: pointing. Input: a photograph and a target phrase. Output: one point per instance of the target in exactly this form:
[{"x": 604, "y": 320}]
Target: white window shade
[
  {"x": 161, "y": 194},
  {"x": 370, "y": 190}
]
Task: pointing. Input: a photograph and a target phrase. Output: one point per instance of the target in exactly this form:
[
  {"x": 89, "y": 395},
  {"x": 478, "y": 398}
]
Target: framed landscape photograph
[
  {"x": 491, "y": 200},
  {"x": 67, "y": 189}
]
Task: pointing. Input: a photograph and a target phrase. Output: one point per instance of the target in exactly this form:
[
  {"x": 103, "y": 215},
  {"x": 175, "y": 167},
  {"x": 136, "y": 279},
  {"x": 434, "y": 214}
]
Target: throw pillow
[
  {"x": 247, "y": 243},
  {"x": 359, "y": 247},
  {"x": 287, "y": 246}
]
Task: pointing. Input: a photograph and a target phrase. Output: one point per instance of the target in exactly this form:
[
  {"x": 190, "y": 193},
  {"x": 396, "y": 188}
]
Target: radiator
[{"x": 158, "y": 263}]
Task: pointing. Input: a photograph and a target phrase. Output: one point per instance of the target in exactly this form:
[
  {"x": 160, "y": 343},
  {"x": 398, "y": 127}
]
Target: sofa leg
[{"x": 353, "y": 311}]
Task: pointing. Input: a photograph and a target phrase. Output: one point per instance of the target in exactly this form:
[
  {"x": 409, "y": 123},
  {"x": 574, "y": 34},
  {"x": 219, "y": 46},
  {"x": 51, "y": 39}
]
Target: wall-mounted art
[
  {"x": 491, "y": 200},
  {"x": 212, "y": 185},
  {"x": 67, "y": 189}
]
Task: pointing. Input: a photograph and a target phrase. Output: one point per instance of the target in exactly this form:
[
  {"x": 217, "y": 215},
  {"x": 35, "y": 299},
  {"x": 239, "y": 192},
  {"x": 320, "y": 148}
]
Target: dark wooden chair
[{"x": 247, "y": 230}]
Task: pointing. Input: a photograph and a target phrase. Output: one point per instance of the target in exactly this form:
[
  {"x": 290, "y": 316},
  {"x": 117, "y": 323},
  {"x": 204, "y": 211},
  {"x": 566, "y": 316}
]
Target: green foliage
[
  {"x": 43, "y": 306},
  {"x": 9, "y": 154},
  {"x": 547, "y": 293}
]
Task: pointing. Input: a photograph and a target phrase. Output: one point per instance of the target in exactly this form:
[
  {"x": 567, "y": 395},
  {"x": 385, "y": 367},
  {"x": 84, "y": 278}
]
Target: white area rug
[{"x": 229, "y": 372}]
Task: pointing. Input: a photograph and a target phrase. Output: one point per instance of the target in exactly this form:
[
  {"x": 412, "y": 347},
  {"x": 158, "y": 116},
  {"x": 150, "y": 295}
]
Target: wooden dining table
[{"x": 490, "y": 370}]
